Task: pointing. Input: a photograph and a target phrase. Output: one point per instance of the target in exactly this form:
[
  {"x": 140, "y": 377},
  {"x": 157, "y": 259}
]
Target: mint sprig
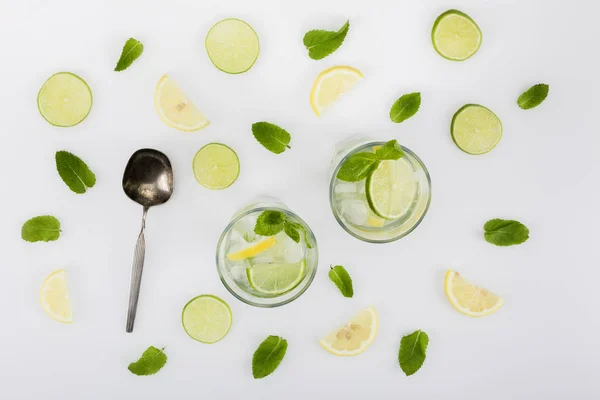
[
  {"x": 321, "y": 43},
  {"x": 271, "y": 136},
  {"x": 412, "y": 351},
  {"x": 405, "y": 107},
  {"x": 74, "y": 172},
  {"x": 360, "y": 165},
  {"x": 44, "y": 228},
  {"x": 534, "y": 96},
  {"x": 149, "y": 363},
  {"x": 271, "y": 222},
  {"x": 131, "y": 51},
  {"x": 505, "y": 232},
  {"x": 341, "y": 278},
  {"x": 268, "y": 356}
]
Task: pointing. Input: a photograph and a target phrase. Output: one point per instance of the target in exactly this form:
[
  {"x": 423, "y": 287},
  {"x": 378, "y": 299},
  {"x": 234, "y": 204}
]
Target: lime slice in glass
[
  {"x": 206, "y": 318},
  {"x": 64, "y": 99},
  {"x": 276, "y": 278},
  {"x": 216, "y": 166},
  {"x": 391, "y": 188},
  {"x": 475, "y": 129},
  {"x": 232, "y": 46},
  {"x": 455, "y": 36}
]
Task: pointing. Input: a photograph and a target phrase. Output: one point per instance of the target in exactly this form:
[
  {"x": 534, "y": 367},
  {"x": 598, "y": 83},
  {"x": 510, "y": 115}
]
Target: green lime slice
[
  {"x": 232, "y": 46},
  {"x": 206, "y": 318},
  {"x": 276, "y": 278},
  {"x": 455, "y": 36},
  {"x": 475, "y": 129},
  {"x": 64, "y": 99},
  {"x": 216, "y": 166},
  {"x": 391, "y": 188}
]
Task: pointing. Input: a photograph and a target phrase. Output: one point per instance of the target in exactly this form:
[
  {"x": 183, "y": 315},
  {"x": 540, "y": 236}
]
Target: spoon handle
[{"x": 136, "y": 275}]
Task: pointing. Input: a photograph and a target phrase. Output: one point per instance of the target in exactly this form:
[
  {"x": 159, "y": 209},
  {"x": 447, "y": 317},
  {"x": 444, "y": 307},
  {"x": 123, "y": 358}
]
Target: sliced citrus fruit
[
  {"x": 330, "y": 85},
  {"x": 276, "y": 278},
  {"x": 455, "y": 35},
  {"x": 232, "y": 46},
  {"x": 391, "y": 188},
  {"x": 253, "y": 250},
  {"x": 354, "y": 337},
  {"x": 475, "y": 129},
  {"x": 206, "y": 318},
  {"x": 175, "y": 108},
  {"x": 64, "y": 99},
  {"x": 216, "y": 166},
  {"x": 55, "y": 297},
  {"x": 469, "y": 299}
]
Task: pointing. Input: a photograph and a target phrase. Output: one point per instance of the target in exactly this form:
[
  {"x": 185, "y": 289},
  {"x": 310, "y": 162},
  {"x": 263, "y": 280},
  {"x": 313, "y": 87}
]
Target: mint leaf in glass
[
  {"x": 390, "y": 151},
  {"x": 74, "y": 172},
  {"x": 405, "y": 107},
  {"x": 131, "y": 51},
  {"x": 412, "y": 351},
  {"x": 291, "y": 230},
  {"x": 505, "y": 232},
  {"x": 272, "y": 137},
  {"x": 268, "y": 356},
  {"x": 534, "y": 96},
  {"x": 340, "y": 277},
  {"x": 269, "y": 223},
  {"x": 357, "y": 167},
  {"x": 44, "y": 228},
  {"x": 149, "y": 363},
  {"x": 321, "y": 43}
]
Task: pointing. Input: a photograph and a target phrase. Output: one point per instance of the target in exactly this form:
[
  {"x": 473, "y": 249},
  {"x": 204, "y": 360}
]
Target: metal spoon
[{"x": 147, "y": 180}]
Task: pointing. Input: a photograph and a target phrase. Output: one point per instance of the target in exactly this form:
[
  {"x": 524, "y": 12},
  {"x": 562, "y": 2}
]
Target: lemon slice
[
  {"x": 216, "y": 166},
  {"x": 354, "y": 337},
  {"x": 475, "y": 129},
  {"x": 206, "y": 318},
  {"x": 468, "y": 298},
  {"x": 276, "y": 278},
  {"x": 391, "y": 188},
  {"x": 64, "y": 99},
  {"x": 455, "y": 36},
  {"x": 253, "y": 250},
  {"x": 175, "y": 108},
  {"x": 330, "y": 85},
  {"x": 55, "y": 297}
]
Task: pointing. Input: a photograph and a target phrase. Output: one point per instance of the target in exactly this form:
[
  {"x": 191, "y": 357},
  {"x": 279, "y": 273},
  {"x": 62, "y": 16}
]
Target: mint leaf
[
  {"x": 505, "y": 232},
  {"x": 269, "y": 223},
  {"x": 272, "y": 137},
  {"x": 44, "y": 228},
  {"x": 131, "y": 51},
  {"x": 357, "y": 167},
  {"x": 149, "y": 363},
  {"x": 342, "y": 280},
  {"x": 405, "y": 107},
  {"x": 534, "y": 96},
  {"x": 290, "y": 229},
  {"x": 74, "y": 172},
  {"x": 412, "y": 351},
  {"x": 322, "y": 43},
  {"x": 300, "y": 228},
  {"x": 268, "y": 356},
  {"x": 390, "y": 151}
]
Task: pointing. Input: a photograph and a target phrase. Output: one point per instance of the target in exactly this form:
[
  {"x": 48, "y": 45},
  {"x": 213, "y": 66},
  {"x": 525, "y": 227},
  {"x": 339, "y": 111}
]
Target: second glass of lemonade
[{"x": 272, "y": 267}]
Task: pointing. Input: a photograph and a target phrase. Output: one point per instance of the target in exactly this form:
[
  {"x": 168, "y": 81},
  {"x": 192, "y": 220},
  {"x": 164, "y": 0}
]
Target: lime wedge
[
  {"x": 455, "y": 36},
  {"x": 206, "y": 318},
  {"x": 276, "y": 278},
  {"x": 475, "y": 129},
  {"x": 232, "y": 46},
  {"x": 64, "y": 99},
  {"x": 216, "y": 166},
  {"x": 391, "y": 188}
]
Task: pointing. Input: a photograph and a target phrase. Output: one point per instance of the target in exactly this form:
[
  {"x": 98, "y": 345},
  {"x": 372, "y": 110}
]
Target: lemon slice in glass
[
  {"x": 354, "y": 337},
  {"x": 455, "y": 35},
  {"x": 64, "y": 99},
  {"x": 253, "y": 250},
  {"x": 206, "y": 318},
  {"x": 330, "y": 85},
  {"x": 469, "y": 299},
  {"x": 175, "y": 108},
  {"x": 232, "y": 46},
  {"x": 54, "y": 297}
]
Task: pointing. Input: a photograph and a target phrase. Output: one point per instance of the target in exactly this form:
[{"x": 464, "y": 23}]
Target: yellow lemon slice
[
  {"x": 354, "y": 337},
  {"x": 175, "y": 108},
  {"x": 469, "y": 299},
  {"x": 330, "y": 85},
  {"x": 253, "y": 250},
  {"x": 55, "y": 297}
]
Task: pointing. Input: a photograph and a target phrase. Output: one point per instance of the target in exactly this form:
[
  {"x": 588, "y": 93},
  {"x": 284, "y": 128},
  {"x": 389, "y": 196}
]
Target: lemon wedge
[
  {"x": 330, "y": 85},
  {"x": 354, "y": 337},
  {"x": 253, "y": 250},
  {"x": 469, "y": 299},
  {"x": 55, "y": 297},
  {"x": 175, "y": 108}
]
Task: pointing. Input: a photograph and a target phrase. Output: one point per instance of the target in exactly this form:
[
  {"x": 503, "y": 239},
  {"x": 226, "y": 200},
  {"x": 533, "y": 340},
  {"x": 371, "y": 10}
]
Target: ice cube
[{"x": 354, "y": 211}]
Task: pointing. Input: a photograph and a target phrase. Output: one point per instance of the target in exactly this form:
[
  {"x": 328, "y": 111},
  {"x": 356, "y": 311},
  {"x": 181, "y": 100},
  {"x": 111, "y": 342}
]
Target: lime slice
[
  {"x": 64, "y": 99},
  {"x": 232, "y": 46},
  {"x": 216, "y": 166},
  {"x": 391, "y": 188},
  {"x": 475, "y": 129},
  {"x": 276, "y": 278},
  {"x": 455, "y": 36},
  {"x": 206, "y": 318}
]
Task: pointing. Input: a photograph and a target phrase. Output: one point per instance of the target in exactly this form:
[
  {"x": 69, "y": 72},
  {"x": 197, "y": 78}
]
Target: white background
[{"x": 543, "y": 344}]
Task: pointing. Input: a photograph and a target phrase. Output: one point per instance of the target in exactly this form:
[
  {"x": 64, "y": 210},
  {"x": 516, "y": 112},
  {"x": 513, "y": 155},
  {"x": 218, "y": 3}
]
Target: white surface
[{"x": 543, "y": 344}]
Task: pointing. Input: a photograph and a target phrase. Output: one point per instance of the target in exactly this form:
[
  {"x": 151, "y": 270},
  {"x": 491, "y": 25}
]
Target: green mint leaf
[
  {"x": 390, "y": 151},
  {"x": 74, "y": 172},
  {"x": 268, "y": 356},
  {"x": 322, "y": 43},
  {"x": 534, "y": 96},
  {"x": 300, "y": 228},
  {"x": 412, "y": 351},
  {"x": 131, "y": 51},
  {"x": 272, "y": 137},
  {"x": 44, "y": 228},
  {"x": 405, "y": 107},
  {"x": 291, "y": 231},
  {"x": 357, "y": 167},
  {"x": 149, "y": 363},
  {"x": 269, "y": 223},
  {"x": 342, "y": 280},
  {"x": 505, "y": 232}
]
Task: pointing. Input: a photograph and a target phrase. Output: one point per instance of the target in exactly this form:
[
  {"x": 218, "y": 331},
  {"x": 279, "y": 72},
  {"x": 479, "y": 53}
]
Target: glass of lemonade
[
  {"x": 274, "y": 267},
  {"x": 388, "y": 204}
]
